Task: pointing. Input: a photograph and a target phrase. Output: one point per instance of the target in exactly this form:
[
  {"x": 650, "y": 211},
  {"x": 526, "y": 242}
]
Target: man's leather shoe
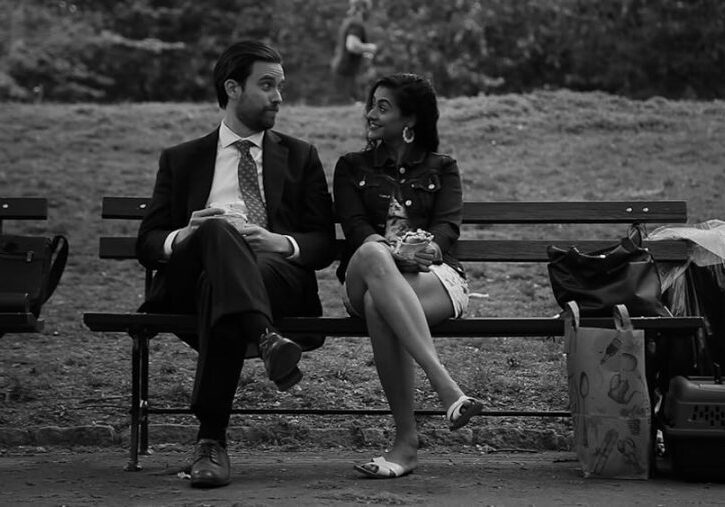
[
  {"x": 211, "y": 465},
  {"x": 280, "y": 356}
]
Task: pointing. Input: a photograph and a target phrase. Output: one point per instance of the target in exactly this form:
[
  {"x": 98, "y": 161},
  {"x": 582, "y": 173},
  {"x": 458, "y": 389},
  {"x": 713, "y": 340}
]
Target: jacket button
[{"x": 408, "y": 202}]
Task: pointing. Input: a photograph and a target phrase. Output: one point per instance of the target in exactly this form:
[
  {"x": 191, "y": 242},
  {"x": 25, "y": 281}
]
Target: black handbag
[
  {"x": 30, "y": 269},
  {"x": 598, "y": 281}
]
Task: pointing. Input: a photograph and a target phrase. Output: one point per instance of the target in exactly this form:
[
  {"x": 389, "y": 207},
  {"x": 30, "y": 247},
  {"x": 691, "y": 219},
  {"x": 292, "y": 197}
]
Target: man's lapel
[
  {"x": 202, "y": 163},
  {"x": 274, "y": 167}
]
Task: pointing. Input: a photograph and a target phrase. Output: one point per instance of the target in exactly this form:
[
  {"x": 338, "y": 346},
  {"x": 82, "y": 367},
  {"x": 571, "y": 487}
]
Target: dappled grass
[{"x": 540, "y": 146}]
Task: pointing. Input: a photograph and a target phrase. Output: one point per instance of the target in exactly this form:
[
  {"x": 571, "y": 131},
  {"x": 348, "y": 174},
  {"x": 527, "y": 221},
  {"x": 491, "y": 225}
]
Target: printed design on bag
[
  {"x": 583, "y": 393},
  {"x": 604, "y": 451},
  {"x": 628, "y": 449},
  {"x": 619, "y": 389}
]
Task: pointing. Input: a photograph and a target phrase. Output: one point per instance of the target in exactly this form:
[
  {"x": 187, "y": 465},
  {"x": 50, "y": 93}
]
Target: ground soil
[
  {"x": 539, "y": 146},
  {"x": 86, "y": 476}
]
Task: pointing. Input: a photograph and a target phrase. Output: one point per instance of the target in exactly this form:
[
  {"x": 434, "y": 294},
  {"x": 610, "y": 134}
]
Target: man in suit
[{"x": 238, "y": 270}]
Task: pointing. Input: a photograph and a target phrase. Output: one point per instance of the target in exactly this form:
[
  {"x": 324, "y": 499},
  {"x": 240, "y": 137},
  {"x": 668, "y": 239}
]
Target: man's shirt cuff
[{"x": 169, "y": 242}]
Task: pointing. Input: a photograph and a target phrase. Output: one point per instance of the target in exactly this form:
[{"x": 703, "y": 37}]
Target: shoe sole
[
  {"x": 290, "y": 380},
  {"x": 209, "y": 484},
  {"x": 284, "y": 361}
]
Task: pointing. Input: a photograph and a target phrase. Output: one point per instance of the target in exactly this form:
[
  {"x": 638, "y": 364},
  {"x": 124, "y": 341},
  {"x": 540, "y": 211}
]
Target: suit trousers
[{"x": 215, "y": 274}]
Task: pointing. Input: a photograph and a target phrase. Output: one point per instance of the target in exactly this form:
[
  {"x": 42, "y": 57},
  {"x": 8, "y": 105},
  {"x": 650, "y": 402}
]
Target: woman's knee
[{"x": 372, "y": 258}]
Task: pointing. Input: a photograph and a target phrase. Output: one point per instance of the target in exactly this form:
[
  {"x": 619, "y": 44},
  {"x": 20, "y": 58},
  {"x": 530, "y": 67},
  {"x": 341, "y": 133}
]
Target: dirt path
[{"x": 85, "y": 477}]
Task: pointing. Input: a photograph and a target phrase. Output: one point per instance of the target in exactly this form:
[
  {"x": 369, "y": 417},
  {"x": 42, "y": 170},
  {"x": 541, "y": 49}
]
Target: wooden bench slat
[
  {"x": 20, "y": 323},
  {"x": 504, "y": 212},
  {"x": 348, "y": 326},
  {"x": 129, "y": 208},
  {"x": 23, "y": 208},
  {"x": 467, "y": 250},
  {"x": 535, "y": 250},
  {"x": 575, "y": 212}
]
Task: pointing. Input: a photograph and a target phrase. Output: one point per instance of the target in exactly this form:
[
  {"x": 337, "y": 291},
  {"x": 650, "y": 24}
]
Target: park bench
[
  {"x": 142, "y": 327},
  {"x": 21, "y": 208}
]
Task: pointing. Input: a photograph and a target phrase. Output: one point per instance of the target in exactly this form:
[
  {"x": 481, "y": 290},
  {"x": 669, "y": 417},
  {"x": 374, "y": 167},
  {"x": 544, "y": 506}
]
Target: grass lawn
[{"x": 540, "y": 146}]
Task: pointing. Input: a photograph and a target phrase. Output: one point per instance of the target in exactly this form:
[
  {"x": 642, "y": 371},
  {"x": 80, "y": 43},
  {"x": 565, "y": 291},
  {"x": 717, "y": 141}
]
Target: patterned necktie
[{"x": 249, "y": 185}]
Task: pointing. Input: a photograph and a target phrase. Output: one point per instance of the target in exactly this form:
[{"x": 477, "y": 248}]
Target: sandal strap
[{"x": 454, "y": 411}]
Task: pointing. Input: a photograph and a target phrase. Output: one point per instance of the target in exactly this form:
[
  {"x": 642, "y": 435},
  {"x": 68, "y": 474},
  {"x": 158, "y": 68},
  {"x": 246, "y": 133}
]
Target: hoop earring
[{"x": 408, "y": 135}]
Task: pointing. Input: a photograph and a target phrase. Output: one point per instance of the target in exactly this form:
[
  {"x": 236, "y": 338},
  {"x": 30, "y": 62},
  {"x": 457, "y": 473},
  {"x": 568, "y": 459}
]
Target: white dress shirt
[{"x": 225, "y": 184}]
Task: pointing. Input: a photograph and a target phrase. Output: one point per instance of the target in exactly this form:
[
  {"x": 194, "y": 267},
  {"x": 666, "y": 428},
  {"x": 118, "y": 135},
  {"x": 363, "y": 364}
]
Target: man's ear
[{"x": 233, "y": 89}]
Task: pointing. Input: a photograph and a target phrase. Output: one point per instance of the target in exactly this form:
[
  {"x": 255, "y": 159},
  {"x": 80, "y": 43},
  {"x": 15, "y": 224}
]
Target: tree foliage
[{"x": 141, "y": 50}]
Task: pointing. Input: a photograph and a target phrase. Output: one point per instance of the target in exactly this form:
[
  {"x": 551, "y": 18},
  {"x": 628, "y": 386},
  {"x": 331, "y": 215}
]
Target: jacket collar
[
  {"x": 228, "y": 137},
  {"x": 382, "y": 157},
  {"x": 274, "y": 169},
  {"x": 202, "y": 160}
]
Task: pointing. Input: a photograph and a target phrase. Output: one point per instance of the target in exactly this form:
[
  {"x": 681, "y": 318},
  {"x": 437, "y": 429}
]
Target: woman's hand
[
  {"x": 406, "y": 265},
  {"x": 421, "y": 261}
]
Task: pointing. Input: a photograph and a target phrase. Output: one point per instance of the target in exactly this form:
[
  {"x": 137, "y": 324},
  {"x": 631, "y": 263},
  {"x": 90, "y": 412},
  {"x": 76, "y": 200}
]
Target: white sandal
[
  {"x": 461, "y": 411},
  {"x": 380, "y": 468}
]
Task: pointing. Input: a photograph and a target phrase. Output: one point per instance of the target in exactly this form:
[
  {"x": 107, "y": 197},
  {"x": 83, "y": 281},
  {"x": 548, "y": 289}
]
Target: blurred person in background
[{"x": 353, "y": 53}]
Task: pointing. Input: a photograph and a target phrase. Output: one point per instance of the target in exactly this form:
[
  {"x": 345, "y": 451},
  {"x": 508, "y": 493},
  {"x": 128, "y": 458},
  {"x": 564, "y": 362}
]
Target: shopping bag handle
[
  {"x": 574, "y": 312},
  {"x": 621, "y": 318}
]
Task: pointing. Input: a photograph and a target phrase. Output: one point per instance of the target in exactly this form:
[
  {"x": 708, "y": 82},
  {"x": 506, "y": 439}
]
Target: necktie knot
[{"x": 244, "y": 145}]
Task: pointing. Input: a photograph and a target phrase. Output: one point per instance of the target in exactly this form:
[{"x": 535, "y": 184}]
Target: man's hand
[
  {"x": 197, "y": 218},
  {"x": 262, "y": 240}
]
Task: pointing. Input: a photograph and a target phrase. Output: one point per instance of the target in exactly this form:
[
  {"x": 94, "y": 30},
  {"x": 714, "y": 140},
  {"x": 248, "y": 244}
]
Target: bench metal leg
[
  {"x": 133, "y": 465},
  {"x": 144, "y": 401}
]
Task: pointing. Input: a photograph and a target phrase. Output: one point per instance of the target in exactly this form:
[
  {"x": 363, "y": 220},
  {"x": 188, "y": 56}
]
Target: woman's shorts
[{"x": 456, "y": 287}]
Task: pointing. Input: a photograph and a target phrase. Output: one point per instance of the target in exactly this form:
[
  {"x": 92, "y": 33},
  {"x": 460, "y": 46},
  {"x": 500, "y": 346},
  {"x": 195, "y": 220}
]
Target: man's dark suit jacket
[{"x": 296, "y": 194}]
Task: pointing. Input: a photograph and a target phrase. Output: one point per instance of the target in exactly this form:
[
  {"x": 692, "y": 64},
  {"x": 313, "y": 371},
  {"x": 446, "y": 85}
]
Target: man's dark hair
[
  {"x": 414, "y": 95},
  {"x": 236, "y": 63}
]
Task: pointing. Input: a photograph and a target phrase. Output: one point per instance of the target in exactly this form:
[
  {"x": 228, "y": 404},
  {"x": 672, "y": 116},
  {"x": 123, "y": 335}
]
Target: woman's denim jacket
[{"x": 428, "y": 185}]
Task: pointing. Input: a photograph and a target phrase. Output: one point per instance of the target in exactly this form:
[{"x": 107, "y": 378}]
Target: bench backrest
[
  {"x": 23, "y": 208},
  {"x": 485, "y": 213}
]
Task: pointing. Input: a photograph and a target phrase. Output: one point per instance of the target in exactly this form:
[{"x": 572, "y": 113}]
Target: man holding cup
[{"x": 239, "y": 221}]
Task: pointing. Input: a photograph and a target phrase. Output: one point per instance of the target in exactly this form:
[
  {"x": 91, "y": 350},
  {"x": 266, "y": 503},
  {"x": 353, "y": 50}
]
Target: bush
[{"x": 160, "y": 50}]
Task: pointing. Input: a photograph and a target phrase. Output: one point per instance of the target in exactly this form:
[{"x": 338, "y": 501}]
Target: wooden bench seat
[
  {"x": 143, "y": 327},
  {"x": 21, "y": 208}
]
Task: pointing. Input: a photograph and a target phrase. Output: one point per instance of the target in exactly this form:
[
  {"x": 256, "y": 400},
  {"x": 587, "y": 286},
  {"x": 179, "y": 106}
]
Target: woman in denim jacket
[{"x": 397, "y": 190}]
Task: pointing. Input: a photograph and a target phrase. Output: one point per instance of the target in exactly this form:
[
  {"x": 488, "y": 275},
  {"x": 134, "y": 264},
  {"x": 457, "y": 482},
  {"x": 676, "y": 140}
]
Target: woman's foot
[
  {"x": 401, "y": 460},
  {"x": 381, "y": 468},
  {"x": 462, "y": 410}
]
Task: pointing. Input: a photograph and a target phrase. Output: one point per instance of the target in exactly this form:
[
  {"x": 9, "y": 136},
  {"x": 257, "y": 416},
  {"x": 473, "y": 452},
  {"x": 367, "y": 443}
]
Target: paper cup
[
  {"x": 408, "y": 250},
  {"x": 235, "y": 213}
]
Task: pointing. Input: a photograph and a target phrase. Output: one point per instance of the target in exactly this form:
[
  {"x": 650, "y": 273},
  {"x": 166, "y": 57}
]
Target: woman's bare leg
[
  {"x": 397, "y": 376},
  {"x": 372, "y": 273}
]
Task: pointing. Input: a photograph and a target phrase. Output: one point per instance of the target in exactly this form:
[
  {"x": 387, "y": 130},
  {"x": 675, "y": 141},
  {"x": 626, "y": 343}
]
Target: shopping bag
[
  {"x": 608, "y": 395},
  {"x": 624, "y": 273}
]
